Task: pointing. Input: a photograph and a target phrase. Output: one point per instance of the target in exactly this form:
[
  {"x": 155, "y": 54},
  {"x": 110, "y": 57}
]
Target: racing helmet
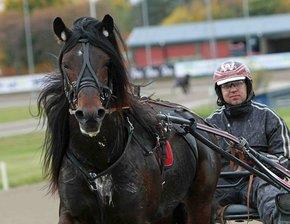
[{"x": 230, "y": 71}]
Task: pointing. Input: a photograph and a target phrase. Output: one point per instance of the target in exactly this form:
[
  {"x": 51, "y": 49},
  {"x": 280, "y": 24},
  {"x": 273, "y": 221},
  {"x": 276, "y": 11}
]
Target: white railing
[{"x": 4, "y": 176}]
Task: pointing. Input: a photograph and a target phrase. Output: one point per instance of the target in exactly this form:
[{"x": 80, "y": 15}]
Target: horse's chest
[
  {"x": 108, "y": 189},
  {"x": 104, "y": 187}
]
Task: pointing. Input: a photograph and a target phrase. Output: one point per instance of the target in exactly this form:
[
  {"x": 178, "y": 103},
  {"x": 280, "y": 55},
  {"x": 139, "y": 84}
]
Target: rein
[
  {"x": 92, "y": 176},
  {"x": 266, "y": 174}
]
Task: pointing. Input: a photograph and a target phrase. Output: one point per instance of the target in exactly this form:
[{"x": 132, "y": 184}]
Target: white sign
[
  {"x": 255, "y": 62},
  {"x": 29, "y": 83},
  {"x": 24, "y": 83}
]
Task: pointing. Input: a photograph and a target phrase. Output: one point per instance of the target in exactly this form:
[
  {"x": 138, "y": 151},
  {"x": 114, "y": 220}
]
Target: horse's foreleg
[
  {"x": 167, "y": 220},
  {"x": 199, "y": 213},
  {"x": 199, "y": 203}
]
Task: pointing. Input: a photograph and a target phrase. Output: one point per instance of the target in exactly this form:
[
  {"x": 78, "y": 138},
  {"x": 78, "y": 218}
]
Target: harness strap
[
  {"x": 221, "y": 212},
  {"x": 91, "y": 176},
  {"x": 188, "y": 138},
  {"x": 218, "y": 132},
  {"x": 74, "y": 160},
  {"x": 166, "y": 104},
  {"x": 202, "y": 127},
  {"x": 147, "y": 152},
  {"x": 250, "y": 185}
]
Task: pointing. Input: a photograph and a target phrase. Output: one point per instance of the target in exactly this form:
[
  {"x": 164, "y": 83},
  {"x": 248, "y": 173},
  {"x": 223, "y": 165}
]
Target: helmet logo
[{"x": 228, "y": 66}]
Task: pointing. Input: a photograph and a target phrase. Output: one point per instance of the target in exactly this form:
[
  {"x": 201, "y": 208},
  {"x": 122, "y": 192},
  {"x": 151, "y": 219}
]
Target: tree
[
  {"x": 195, "y": 10},
  {"x": 121, "y": 10},
  {"x": 13, "y": 58},
  {"x": 157, "y": 10},
  {"x": 34, "y": 4},
  {"x": 12, "y": 38},
  {"x": 258, "y": 7},
  {"x": 184, "y": 13}
]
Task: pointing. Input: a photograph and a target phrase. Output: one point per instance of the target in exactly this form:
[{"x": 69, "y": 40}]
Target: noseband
[{"x": 86, "y": 78}]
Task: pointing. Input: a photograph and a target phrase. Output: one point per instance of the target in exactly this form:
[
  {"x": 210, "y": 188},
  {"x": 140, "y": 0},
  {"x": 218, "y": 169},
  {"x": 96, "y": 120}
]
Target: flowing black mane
[{"x": 53, "y": 103}]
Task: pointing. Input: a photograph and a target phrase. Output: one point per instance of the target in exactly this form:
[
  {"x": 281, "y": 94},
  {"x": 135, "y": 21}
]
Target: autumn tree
[
  {"x": 157, "y": 10},
  {"x": 195, "y": 10},
  {"x": 45, "y": 48},
  {"x": 13, "y": 58},
  {"x": 121, "y": 11},
  {"x": 34, "y": 4}
]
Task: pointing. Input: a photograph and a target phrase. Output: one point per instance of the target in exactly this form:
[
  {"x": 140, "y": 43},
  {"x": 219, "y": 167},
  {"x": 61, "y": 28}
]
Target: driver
[{"x": 264, "y": 130}]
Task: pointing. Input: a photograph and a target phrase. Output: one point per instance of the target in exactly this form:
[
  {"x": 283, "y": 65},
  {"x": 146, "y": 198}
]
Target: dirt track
[
  {"x": 31, "y": 205},
  {"x": 28, "y": 205}
]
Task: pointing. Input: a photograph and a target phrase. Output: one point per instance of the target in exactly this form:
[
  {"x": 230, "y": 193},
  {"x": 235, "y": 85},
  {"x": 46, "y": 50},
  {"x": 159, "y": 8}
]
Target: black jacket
[{"x": 264, "y": 130}]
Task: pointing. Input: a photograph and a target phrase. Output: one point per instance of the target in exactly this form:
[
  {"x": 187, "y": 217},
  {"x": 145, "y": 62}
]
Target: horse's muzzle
[{"x": 90, "y": 121}]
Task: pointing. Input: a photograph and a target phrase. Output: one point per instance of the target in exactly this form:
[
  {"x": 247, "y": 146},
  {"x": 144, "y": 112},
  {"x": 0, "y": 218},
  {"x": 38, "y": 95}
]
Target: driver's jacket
[{"x": 263, "y": 129}]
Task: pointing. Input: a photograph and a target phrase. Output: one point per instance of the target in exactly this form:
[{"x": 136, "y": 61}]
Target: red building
[{"x": 157, "y": 45}]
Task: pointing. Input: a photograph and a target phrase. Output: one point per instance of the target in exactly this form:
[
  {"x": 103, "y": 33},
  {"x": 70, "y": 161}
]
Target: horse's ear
[
  {"x": 60, "y": 30},
  {"x": 108, "y": 25}
]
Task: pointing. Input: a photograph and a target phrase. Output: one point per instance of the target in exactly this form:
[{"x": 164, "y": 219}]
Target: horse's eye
[
  {"x": 104, "y": 74},
  {"x": 65, "y": 66}
]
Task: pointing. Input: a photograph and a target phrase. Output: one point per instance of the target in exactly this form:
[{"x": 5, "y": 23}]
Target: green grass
[
  {"x": 22, "y": 155},
  {"x": 204, "y": 111},
  {"x": 16, "y": 113},
  {"x": 285, "y": 114}
]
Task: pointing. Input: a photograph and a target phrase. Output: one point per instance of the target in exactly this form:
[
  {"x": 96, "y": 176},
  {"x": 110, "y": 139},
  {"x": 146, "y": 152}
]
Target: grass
[
  {"x": 16, "y": 113},
  {"x": 285, "y": 114},
  {"x": 22, "y": 155},
  {"x": 204, "y": 111}
]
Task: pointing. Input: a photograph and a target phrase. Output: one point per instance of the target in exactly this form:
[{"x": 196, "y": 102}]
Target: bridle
[
  {"x": 87, "y": 77},
  {"x": 91, "y": 176}
]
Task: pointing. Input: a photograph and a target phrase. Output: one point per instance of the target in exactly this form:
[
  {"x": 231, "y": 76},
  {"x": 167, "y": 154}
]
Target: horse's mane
[{"x": 53, "y": 103}]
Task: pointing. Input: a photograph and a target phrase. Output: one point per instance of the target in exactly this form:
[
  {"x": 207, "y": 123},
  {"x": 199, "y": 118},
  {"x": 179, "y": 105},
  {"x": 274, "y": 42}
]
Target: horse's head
[{"x": 94, "y": 76}]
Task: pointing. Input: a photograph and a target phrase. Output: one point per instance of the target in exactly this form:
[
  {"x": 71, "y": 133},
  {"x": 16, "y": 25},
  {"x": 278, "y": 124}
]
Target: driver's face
[{"x": 234, "y": 93}]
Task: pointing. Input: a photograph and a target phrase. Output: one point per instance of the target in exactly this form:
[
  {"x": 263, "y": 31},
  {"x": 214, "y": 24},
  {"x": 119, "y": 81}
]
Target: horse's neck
[{"x": 101, "y": 150}]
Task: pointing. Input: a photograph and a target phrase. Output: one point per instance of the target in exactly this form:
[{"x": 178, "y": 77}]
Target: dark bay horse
[{"x": 106, "y": 154}]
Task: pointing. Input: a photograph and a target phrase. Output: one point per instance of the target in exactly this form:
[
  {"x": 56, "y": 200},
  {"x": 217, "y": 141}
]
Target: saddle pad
[{"x": 169, "y": 155}]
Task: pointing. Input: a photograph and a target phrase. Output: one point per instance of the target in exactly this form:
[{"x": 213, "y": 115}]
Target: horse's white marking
[
  {"x": 104, "y": 187},
  {"x": 71, "y": 111},
  {"x": 91, "y": 134},
  {"x": 101, "y": 144},
  {"x": 79, "y": 53},
  {"x": 63, "y": 36},
  {"x": 106, "y": 33}
]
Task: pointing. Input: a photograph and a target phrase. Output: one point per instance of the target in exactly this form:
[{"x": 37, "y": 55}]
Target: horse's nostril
[
  {"x": 79, "y": 114},
  {"x": 101, "y": 112}
]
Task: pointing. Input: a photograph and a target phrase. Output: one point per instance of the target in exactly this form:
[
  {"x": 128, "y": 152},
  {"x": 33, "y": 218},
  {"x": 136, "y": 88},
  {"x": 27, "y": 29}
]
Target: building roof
[{"x": 268, "y": 26}]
